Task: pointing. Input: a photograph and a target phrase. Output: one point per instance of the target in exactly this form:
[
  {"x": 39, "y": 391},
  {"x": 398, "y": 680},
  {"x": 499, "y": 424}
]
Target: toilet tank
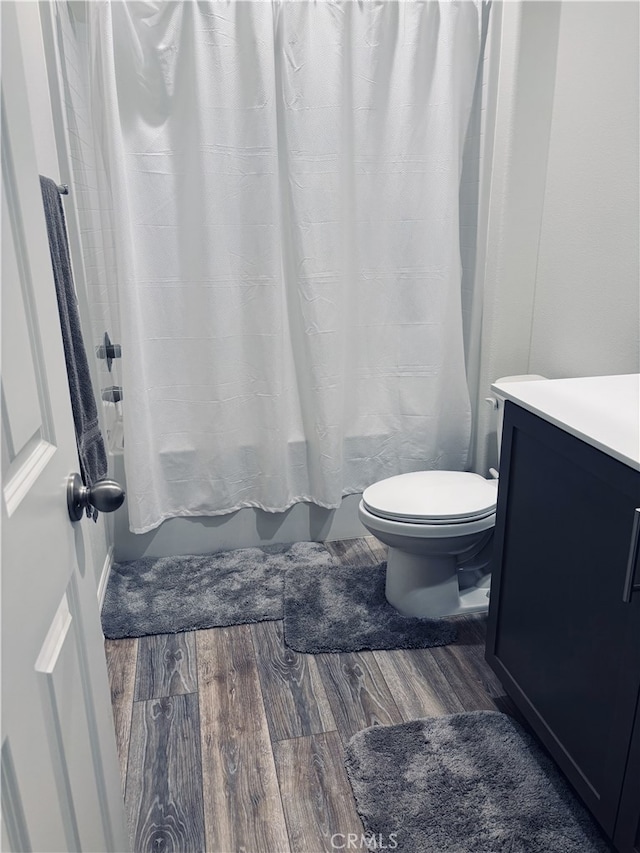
[{"x": 497, "y": 400}]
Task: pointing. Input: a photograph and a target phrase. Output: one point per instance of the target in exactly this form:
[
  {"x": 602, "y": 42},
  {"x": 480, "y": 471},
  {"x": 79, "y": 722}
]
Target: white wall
[
  {"x": 93, "y": 541},
  {"x": 472, "y": 306},
  {"x": 561, "y": 266},
  {"x": 586, "y": 312}
]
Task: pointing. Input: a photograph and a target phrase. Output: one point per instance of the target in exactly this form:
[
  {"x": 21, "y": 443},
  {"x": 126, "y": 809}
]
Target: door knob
[{"x": 105, "y": 496}]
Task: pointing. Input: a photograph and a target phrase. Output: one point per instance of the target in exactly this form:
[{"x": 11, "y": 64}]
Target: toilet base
[
  {"x": 474, "y": 600},
  {"x": 427, "y": 587}
]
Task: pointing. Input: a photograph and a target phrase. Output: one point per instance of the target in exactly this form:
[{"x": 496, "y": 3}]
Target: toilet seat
[{"x": 432, "y": 497}]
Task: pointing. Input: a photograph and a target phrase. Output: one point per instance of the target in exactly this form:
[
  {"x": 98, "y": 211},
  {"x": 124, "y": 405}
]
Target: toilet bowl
[
  {"x": 438, "y": 526},
  {"x": 434, "y": 523}
]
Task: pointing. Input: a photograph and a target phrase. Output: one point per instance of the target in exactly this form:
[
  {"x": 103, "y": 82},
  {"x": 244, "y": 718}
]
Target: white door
[{"x": 60, "y": 778}]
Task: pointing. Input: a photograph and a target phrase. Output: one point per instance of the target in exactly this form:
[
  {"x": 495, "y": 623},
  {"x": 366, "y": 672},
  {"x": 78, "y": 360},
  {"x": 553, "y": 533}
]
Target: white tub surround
[{"x": 603, "y": 411}]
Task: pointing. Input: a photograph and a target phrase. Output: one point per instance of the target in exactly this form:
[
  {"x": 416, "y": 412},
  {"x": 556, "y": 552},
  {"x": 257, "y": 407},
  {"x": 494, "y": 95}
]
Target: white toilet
[{"x": 439, "y": 529}]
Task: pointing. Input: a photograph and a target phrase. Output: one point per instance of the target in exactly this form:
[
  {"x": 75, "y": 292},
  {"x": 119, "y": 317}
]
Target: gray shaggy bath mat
[
  {"x": 344, "y": 609},
  {"x": 171, "y": 594},
  {"x": 466, "y": 783}
]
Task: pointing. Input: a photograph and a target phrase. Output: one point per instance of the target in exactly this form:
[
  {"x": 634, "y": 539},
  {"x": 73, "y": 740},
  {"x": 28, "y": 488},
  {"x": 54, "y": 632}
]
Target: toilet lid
[{"x": 432, "y": 497}]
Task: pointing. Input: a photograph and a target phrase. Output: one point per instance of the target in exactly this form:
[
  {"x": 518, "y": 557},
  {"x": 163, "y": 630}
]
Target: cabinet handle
[{"x": 629, "y": 586}]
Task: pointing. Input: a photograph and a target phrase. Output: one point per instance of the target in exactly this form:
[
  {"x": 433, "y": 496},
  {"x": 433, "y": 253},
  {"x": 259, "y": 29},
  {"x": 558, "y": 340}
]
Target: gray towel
[{"x": 91, "y": 450}]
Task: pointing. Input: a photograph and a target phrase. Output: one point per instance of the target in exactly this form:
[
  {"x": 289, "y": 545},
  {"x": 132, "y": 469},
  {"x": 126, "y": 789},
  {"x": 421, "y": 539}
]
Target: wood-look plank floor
[{"x": 230, "y": 741}]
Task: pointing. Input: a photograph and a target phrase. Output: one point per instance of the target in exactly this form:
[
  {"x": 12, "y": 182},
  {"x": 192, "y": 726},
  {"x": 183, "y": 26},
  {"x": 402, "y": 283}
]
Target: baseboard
[{"x": 104, "y": 576}]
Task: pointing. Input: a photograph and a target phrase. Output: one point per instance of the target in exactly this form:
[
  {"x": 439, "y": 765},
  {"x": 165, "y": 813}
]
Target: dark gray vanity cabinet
[{"x": 562, "y": 640}]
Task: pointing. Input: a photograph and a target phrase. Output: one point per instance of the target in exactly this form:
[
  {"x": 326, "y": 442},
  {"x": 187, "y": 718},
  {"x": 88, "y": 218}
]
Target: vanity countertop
[{"x": 603, "y": 411}]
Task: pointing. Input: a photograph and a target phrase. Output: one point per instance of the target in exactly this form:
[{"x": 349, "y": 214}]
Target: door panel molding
[
  {"x": 15, "y": 215},
  {"x": 13, "y": 819},
  {"x": 46, "y": 666},
  {"x": 89, "y": 704}
]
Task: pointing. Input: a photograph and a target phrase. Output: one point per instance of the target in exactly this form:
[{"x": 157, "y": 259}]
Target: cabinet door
[
  {"x": 627, "y": 835},
  {"x": 560, "y": 638}
]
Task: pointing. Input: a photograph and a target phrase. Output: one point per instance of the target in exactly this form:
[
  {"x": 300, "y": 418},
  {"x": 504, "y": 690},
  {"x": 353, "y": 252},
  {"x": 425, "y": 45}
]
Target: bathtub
[{"x": 245, "y": 528}]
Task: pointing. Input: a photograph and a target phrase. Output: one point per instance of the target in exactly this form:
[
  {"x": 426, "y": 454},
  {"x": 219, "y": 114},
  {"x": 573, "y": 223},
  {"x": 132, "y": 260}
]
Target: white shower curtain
[{"x": 285, "y": 179}]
